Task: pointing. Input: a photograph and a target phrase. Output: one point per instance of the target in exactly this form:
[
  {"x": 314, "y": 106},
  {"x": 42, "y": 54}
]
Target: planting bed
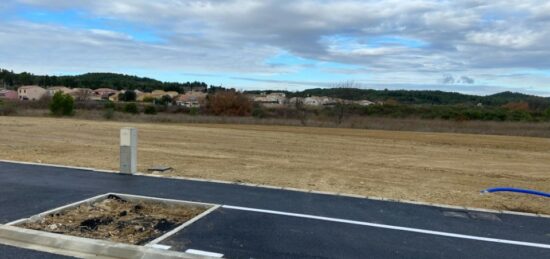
[{"x": 117, "y": 219}]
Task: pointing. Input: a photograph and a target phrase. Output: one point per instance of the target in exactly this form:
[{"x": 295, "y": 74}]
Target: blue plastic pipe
[{"x": 509, "y": 189}]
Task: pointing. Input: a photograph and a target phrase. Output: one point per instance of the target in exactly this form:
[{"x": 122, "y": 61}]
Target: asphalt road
[
  {"x": 10, "y": 252},
  {"x": 269, "y": 223}
]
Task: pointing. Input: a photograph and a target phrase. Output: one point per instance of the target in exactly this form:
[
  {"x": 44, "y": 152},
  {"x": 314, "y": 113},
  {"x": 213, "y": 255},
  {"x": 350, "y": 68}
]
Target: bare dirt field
[{"x": 433, "y": 167}]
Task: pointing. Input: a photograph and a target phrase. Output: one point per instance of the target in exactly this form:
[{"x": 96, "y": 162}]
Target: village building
[
  {"x": 364, "y": 102},
  {"x": 105, "y": 93},
  {"x": 31, "y": 92},
  {"x": 191, "y": 99},
  {"x": 54, "y": 89},
  {"x": 156, "y": 94},
  {"x": 270, "y": 100},
  {"x": 319, "y": 101},
  {"x": 8, "y": 94},
  {"x": 82, "y": 94}
]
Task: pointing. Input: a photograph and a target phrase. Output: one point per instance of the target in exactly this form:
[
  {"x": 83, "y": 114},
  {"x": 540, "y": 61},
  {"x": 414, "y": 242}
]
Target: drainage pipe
[{"x": 517, "y": 190}]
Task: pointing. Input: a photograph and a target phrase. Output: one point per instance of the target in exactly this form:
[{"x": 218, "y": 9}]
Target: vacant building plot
[{"x": 432, "y": 167}]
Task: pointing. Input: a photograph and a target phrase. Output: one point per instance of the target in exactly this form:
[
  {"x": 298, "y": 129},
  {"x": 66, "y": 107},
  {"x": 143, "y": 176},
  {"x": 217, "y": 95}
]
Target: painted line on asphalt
[
  {"x": 203, "y": 253},
  {"x": 377, "y": 225}
]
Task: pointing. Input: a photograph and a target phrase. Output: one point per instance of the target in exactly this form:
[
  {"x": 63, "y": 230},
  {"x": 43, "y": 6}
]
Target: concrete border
[
  {"x": 29, "y": 242},
  {"x": 101, "y": 197},
  {"x": 445, "y": 206},
  {"x": 82, "y": 247},
  {"x": 87, "y": 247}
]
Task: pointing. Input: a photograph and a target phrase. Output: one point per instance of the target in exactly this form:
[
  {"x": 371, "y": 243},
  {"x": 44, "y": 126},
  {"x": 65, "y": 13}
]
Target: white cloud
[
  {"x": 505, "y": 39},
  {"x": 461, "y": 37}
]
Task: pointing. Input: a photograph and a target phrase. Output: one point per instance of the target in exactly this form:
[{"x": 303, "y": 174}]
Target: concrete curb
[
  {"x": 83, "y": 247},
  {"x": 86, "y": 247},
  {"x": 445, "y": 206}
]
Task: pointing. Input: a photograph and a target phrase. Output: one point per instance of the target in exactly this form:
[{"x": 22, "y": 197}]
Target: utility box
[{"x": 128, "y": 150}]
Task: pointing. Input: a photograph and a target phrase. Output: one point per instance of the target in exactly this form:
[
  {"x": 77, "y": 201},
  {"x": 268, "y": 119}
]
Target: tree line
[{"x": 11, "y": 80}]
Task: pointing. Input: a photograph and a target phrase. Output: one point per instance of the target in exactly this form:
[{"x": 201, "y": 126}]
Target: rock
[{"x": 52, "y": 227}]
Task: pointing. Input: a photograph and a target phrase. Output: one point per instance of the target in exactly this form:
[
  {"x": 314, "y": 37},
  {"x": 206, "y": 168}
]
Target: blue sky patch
[{"x": 81, "y": 20}]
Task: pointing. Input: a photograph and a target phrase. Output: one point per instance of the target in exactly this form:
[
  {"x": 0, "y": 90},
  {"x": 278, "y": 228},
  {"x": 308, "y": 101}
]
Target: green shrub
[
  {"x": 6, "y": 108},
  {"x": 193, "y": 111},
  {"x": 150, "y": 109},
  {"x": 258, "y": 112},
  {"x": 62, "y": 104},
  {"x": 164, "y": 100},
  {"x": 148, "y": 99},
  {"x": 131, "y": 108},
  {"x": 518, "y": 115},
  {"x": 109, "y": 105},
  {"x": 109, "y": 113},
  {"x": 127, "y": 96}
]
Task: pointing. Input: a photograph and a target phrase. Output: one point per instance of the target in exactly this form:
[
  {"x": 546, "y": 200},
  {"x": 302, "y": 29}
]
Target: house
[
  {"x": 319, "y": 101},
  {"x": 54, "y": 89},
  {"x": 363, "y": 102},
  {"x": 172, "y": 94},
  {"x": 191, "y": 99},
  {"x": 113, "y": 98},
  {"x": 31, "y": 92},
  {"x": 82, "y": 94},
  {"x": 8, "y": 94},
  {"x": 105, "y": 93},
  {"x": 157, "y": 94},
  {"x": 270, "y": 100}
]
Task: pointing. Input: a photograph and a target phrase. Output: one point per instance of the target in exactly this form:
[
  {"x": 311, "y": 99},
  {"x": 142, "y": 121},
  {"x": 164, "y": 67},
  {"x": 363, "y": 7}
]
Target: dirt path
[{"x": 433, "y": 167}]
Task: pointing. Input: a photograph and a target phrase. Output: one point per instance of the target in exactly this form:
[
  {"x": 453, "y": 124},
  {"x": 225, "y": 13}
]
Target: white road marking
[
  {"x": 158, "y": 246},
  {"x": 204, "y": 253},
  {"x": 408, "y": 229}
]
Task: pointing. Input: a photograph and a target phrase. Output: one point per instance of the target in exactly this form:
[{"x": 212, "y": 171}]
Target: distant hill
[{"x": 96, "y": 80}]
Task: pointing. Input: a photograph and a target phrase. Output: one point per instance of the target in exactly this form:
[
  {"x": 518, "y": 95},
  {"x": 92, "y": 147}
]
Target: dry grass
[
  {"x": 434, "y": 167},
  {"x": 508, "y": 128}
]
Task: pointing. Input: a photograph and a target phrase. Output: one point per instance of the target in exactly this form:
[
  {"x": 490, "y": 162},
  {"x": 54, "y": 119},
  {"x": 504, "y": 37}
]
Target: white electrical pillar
[{"x": 128, "y": 150}]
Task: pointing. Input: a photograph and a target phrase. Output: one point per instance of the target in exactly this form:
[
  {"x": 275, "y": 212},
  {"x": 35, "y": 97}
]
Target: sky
[{"x": 469, "y": 46}]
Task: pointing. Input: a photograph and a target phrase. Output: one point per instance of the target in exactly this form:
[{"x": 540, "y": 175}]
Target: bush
[
  {"x": 62, "y": 104},
  {"x": 109, "y": 113},
  {"x": 258, "y": 112},
  {"x": 228, "y": 103},
  {"x": 127, "y": 96},
  {"x": 164, "y": 100},
  {"x": 193, "y": 111},
  {"x": 150, "y": 110},
  {"x": 6, "y": 108},
  {"x": 131, "y": 108},
  {"x": 148, "y": 99},
  {"x": 109, "y": 105}
]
